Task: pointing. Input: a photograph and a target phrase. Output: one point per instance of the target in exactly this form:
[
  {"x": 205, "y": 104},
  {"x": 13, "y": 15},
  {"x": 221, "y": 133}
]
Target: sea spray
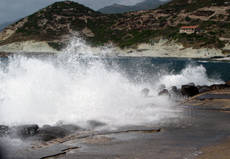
[
  {"x": 192, "y": 73},
  {"x": 76, "y": 87}
]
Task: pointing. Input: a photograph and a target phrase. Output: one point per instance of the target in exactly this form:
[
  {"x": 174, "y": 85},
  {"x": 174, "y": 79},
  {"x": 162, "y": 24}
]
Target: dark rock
[
  {"x": 174, "y": 89},
  {"x": 164, "y": 92},
  {"x": 203, "y": 89},
  {"x": 48, "y": 133},
  {"x": 218, "y": 86},
  {"x": 145, "y": 92},
  {"x": 189, "y": 90},
  {"x": 24, "y": 131},
  {"x": 4, "y": 130}
]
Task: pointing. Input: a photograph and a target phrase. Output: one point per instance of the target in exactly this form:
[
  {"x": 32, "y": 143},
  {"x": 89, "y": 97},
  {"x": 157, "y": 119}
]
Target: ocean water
[{"x": 77, "y": 87}]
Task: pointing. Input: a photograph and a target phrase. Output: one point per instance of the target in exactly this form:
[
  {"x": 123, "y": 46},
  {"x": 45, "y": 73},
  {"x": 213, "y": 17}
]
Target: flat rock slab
[
  {"x": 218, "y": 151},
  {"x": 216, "y": 100},
  {"x": 213, "y": 96}
]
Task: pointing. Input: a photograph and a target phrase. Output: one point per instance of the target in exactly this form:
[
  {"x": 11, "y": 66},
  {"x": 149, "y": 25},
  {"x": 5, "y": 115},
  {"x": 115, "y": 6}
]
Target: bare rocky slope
[{"x": 56, "y": 23}]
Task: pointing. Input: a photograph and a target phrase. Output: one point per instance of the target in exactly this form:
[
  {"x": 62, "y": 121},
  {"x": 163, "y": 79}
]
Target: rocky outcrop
[
  {"x": 189, "y": 90},
  {"x": 35, "y": 132}
]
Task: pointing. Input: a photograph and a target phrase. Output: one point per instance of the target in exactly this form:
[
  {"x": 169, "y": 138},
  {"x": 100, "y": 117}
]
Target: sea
[{"x": 76, "y": 87}]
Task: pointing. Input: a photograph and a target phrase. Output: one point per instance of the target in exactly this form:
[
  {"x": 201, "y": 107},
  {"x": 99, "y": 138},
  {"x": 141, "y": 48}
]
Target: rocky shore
[{"x": 197, "y": 134}]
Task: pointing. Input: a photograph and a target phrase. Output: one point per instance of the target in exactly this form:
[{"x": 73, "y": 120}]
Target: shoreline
[
  {"x": 163, "y": 48},
  {"x": 42, "y": 54},
  {"x": 196, "y": 134}
]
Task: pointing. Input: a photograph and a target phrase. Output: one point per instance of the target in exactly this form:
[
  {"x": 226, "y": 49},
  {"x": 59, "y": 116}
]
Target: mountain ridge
[{"x": 117, "y": 8}]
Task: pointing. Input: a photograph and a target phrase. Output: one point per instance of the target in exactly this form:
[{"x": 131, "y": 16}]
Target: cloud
[{"x": 11, "y": 10}]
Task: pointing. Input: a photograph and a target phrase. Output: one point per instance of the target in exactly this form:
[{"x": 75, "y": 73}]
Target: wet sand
[{"x": 199, "y": 132}]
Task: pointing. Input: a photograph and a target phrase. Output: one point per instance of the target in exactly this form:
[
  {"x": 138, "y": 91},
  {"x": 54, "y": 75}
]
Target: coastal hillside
[
  {"x": 145, "y": 5},
  {"x": 56, "y": 23}
]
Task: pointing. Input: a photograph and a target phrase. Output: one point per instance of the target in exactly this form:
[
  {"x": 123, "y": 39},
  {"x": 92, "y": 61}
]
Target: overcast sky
[{"x": 11, "y": 10}]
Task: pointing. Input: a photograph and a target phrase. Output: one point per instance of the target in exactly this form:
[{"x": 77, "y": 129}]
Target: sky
[{"x": 12, "y": 10}]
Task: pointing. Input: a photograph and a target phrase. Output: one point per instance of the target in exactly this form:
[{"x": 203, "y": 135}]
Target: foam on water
[
  {"x": 73, "y": 89},
  {"x": 192, "y": 73}
]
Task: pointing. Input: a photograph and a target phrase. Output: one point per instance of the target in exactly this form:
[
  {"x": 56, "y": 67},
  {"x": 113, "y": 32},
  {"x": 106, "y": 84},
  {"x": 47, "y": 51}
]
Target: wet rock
[
  {"x": 47, "y": 133},
  {"x": 145, "y": 92},
  {"x": 24, "y": 131},
  {"x": 164, "y": 92},
  {"x": 203, "y": 89},
  {"x": 4, "y": 130},
  {"x": 189, "y": 90},
  {"x": 218, "y": 86}
]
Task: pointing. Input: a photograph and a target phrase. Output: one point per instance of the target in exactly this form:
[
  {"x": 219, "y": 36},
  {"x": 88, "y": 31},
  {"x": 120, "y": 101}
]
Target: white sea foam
[
  {"x": 192, "y": 73},
  {"x": 75, "y": 90}
]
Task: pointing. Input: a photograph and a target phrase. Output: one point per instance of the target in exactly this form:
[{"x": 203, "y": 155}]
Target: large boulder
[{"x": 189, "y": 90}]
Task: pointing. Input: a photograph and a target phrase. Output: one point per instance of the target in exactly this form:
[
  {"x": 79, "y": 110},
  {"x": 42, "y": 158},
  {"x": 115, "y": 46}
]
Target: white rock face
[
  {"x": 227, "y": 47},
  {"x": 164, "y": 48},
  {"x": 28, "y": 46}
]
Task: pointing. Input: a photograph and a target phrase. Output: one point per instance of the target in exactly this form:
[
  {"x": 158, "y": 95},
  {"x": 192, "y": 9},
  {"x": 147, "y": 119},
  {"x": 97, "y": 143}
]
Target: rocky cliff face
[{"x": 56, "y": 23}]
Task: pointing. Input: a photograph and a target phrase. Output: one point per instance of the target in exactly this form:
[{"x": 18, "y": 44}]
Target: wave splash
[{"x": 73, "y": 88}]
